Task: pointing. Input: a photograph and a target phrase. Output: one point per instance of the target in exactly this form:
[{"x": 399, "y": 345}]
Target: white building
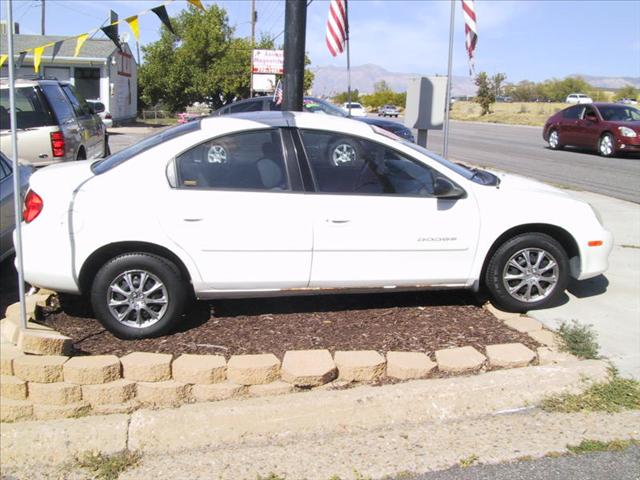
[{"x": 100, "y": 71}]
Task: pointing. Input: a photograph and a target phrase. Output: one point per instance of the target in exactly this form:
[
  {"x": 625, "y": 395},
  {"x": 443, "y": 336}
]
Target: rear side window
[
  {"x": 572, "y": 113},
  {"x": 79, "y": 103},
  {"x": 31, "y": 110},
  {"x": 59, "y": 103}
]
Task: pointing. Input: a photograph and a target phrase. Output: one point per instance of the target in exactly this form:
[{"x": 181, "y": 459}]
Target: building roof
[{"x": 90, "y": 49}]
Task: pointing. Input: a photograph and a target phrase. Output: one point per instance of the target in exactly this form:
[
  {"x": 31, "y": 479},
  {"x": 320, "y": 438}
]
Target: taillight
[
  {"x": 33, "y": 205},
  {"x": 57, "y": 144},
  {"x": 108, "y": 116}
]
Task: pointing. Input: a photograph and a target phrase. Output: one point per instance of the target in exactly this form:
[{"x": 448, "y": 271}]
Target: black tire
[
  {"x": 557, "y": 145},
  {"x": 497, "y": 271},
  {"x": 607, "y": 146},
  {"x": 107, "y": 148},
  {"x": 169, "y": 305},
  {"x": 82, "y": 155}
]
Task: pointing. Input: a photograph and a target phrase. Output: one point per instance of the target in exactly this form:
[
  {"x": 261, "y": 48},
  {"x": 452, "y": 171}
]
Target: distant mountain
[{"x": 331, "y": 80}]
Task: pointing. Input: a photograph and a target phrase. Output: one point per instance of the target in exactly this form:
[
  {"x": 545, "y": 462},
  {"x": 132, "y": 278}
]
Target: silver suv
[{"x": 55, "y": 123}]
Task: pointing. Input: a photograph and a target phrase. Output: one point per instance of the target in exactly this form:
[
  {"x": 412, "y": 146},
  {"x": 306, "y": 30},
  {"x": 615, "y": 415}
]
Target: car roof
[{"x": 21, "y": 82}]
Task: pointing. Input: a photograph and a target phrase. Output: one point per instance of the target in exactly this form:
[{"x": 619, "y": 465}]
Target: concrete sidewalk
[{"x": 611, "y": 303}]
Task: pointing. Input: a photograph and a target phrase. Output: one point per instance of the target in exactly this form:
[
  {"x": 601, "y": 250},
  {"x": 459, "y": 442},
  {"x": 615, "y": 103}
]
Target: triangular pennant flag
[
  {"x": 162, "y": 14},
  {"x": 21, "y": 59},
  {"x": 79, "y": 42},
  {"x": 135, "y": 27},
  {"x": 56, "y": 49},
  {"x": 37, "y": 56},
  {"x": 3, "y": 58},
  {"x": 197, "y": 4},
  {"x": 111, "y": 31}
]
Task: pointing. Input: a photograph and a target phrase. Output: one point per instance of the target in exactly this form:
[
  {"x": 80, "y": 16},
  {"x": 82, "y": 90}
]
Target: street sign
[
  {"x": 268, "y": 61},
  {"x": 264, "y": 82}
]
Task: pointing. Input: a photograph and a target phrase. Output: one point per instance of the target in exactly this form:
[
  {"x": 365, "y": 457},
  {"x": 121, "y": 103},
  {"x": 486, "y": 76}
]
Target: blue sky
[{"x": 531, "y": 40}]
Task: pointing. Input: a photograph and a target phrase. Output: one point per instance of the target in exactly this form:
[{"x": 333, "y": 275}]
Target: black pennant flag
[
  {"x": 21, "y": 57},
  {"x": 111, "y": 31},
  {"x": 162, "y": 14},
  {"x": 56, "y": 49}
]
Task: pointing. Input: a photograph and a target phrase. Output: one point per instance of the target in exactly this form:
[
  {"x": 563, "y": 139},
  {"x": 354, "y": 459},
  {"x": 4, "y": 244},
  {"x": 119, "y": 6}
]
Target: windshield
[
  {"x": 619, "y": 113},
  {"x": 143, "y": 145},
  {"x": 315, "y": 105}
]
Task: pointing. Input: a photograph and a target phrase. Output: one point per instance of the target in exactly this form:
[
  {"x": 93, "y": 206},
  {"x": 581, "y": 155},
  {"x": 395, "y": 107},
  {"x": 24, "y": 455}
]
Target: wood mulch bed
[{"x": 411, "y": 321}]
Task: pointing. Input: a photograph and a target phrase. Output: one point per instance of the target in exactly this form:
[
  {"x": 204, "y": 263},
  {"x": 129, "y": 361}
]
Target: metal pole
[
  {"x": 17, "y": 198},
  {"x": 346, "y": 31},
  {"x": 295, "y": 24},
  {"x": 42, "y": 20},
  {"x": 445, "y": 147},
  {"x": 253, "y": 44}
]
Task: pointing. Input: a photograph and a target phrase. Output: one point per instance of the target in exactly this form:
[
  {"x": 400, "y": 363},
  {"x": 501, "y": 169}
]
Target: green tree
[
  {"x": 343, "y": 97},
  {"x": 497, "y": 81},
  {"x": 485, "y": 94},
  {"x": 628, "y": 91}
]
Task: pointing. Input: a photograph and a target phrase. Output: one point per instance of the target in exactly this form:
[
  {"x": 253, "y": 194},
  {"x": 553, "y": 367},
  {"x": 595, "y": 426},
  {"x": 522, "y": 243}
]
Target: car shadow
[
  {"x": 594, "y": 153},
  {"x": 8, "y": 284},
  {"x": 588, "y": 288}
]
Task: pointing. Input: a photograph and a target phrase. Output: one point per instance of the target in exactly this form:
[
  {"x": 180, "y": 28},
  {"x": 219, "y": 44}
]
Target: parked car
[
  {"x": 628, "y": 101},
  {"x": 241, "y": 205},
  {"x": 313, "y": 105},
  {"x": 388, "y": 111},
  {"x": 578, "y": 98},
  {"x": 7, "y": 208},
  {"x": 100, "y": 110},
  {"x": 608, "y": 128},
  {"x": 355, "y": 109},
  {"x": 54, "y": 123}
]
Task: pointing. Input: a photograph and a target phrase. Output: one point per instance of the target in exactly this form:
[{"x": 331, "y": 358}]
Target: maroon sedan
[{"x": 609, "y": 128}]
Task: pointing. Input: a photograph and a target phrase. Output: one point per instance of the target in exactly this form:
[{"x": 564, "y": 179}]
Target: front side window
[
  {"x": 59, "y": 103},
  {"x": 241, "y": 161},
  {"x": 346, "y": 164},
  {"x": 79, "y": 103}
]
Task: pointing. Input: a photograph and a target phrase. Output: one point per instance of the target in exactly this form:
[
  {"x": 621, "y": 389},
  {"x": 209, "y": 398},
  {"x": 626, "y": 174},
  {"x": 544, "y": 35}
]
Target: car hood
[
  {"x": 515, "y": 183},
  {"x": 379, "y": 122}
]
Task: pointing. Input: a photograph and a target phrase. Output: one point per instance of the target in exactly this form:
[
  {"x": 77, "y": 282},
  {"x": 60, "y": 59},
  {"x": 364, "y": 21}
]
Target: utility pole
[
  {"x": 42, "y": 19},
  {"x": 254, "y": 19},
  {"x": 295, "y": 26}
]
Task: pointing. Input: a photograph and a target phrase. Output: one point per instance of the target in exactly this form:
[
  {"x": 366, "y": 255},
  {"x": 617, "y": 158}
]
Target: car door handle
[
  {"x": 337, "y": 221},
  {"x": 192, "y": 219}
]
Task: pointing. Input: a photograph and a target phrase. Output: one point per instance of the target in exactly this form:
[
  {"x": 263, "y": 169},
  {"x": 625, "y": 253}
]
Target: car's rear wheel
[
  {"x": 527, "y": 272},
  {"x": 607, "y": 145},
  {"x": 554, "y": 140},
  {"x": 138, "y": 295},
  {"x": 81, "y": 154}
]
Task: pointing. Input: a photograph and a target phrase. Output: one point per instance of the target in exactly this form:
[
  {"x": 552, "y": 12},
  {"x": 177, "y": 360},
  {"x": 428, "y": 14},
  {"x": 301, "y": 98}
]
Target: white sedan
[
  {"x": 354, "y": 109},
  {"x": 281, "y": 203}
]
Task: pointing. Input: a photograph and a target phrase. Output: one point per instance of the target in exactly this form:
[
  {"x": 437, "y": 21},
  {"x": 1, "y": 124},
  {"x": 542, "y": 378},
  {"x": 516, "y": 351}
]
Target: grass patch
[
  {"x": 108, "y": 467},
  {"x": 271, "y": 476},
  {"x": 519, "y": 113},
  {"x": 613, "y": 396},
  {"x": 630, "y": 246},
  {"x": 468, "y": 461},
  {"x": 588, "y": 446},
  {"x": 579, "y": 340}
]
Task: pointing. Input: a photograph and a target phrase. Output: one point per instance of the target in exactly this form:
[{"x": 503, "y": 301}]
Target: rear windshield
[
  {"x": 143, "y": 145},
  {"x": 31, "y": 110}
]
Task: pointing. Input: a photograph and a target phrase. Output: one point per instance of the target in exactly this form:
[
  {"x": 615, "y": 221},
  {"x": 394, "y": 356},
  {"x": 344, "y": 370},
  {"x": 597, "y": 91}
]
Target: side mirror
[
  {"x": 445, "y": 188},
  {"x": 98, "y": 107}
]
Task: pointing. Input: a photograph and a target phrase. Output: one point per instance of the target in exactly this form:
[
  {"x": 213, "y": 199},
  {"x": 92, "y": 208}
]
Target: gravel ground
[{"x": 412, "y": 321}]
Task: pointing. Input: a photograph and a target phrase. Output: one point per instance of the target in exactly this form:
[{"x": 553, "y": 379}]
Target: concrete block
[
  {"x": 253, "y": 369},
  {"x": 360, "y": 365},
  {"x": 458, "y": 360},
  {"x": 549, "y": 356},
  {"x": 92, "y": 369},
  {"x": 40, "y": 342},
  {"x": 524, "y": 324},
  {"x": 217, "y": 391},
  {"x": 13, "y": 410},
  {"x": 42, "y": 369},
  {"x": 8, "y": 353},
  {"x": 268, "y": 389},
  {"x": 13, "y": 310},
  {"x": 308, "y": 368},
  {"x": 509, "y": 355},
  {"x": 13, "y": 388},
  {"x": 200, "y": 369},
  {"x": 115, "y": 408},
  {"x": 146, "y": 367},
  {"x": 545, "y": 337},
  {"x": 118, "y": 391},
  {"x": 54, "y": 393},
  {"x": 409, "y": 365},
  {"x": 51, "y": 412},
  {"x": 167, "y": 393},
  {"x": 500, "y": 314}
]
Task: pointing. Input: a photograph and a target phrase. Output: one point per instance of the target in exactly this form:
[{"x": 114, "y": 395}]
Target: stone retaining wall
[{"x": 57, "y": 386}]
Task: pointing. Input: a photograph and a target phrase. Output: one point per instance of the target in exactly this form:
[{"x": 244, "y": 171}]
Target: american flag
[
  {"x": 470, "y": 32},
  {"x": 277, "y": 94},
  {"x": 337, "y": 26}
]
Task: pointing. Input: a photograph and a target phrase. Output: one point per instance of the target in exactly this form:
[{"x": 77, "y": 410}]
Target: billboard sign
[
  {"x": 264, "y": 82},
  {"x": 268, "y": 61}
]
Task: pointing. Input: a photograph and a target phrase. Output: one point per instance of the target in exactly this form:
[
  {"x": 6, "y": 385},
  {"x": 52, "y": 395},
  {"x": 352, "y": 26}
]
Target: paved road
[{"x": 594, "y": 466}]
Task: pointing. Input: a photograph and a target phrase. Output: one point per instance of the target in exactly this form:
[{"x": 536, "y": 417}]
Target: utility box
[{"x": 426, "y": 97}]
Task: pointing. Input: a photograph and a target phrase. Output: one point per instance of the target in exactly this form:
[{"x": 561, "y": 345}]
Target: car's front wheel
[
  {"x": 138, "y": 295},
  {"x": 554, "y": 140},
  {"x": 527, "y": 272},
  {"x": 607, "y": 145}
]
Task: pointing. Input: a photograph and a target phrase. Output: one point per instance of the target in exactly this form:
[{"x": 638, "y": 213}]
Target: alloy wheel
[
  {"x": 344, "y": 154},
  {"x": 606, "y": 145},
  {"x": 530, "y": 275},
  {"x": 137, "y": 298}
]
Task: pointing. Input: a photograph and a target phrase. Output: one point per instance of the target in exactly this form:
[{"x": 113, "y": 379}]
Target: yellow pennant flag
[
  {"x": 37, "y": 56},
  {"x": 3, "y": 58},
  {"x": 79, "y": 42},
  {"x": 197, "y": 4},
  {"x": 133, "y": 24}
]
